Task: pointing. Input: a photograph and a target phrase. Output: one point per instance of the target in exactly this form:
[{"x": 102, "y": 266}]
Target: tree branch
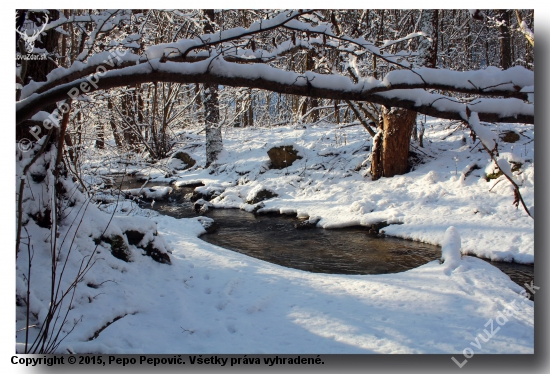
[{"x": 277, "y": 80}]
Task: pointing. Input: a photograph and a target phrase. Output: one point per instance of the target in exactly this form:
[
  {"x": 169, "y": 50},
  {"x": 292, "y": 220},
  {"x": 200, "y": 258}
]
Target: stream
[{"x": 275, "y": 239}]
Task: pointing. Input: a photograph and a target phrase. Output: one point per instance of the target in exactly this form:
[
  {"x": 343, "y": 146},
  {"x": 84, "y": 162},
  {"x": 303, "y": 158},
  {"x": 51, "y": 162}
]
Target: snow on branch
[
  {"x": 90, "y": 18},
  {"x": 488, "y": 82},
  {"x": 525, "y": 30},
  {"x": 217, "y": 70},
  {"x": 486, "y": 136},
  {"x": 389, "y": 43},
  {"x": 368, "y": 46},
  {"x": 516, "y": 82},
  {"x": 184, "y": 46}
]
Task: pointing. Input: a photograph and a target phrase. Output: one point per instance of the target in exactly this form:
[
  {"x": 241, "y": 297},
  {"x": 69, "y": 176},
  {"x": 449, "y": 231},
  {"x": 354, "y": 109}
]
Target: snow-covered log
[{"x": 403, "y": 89}]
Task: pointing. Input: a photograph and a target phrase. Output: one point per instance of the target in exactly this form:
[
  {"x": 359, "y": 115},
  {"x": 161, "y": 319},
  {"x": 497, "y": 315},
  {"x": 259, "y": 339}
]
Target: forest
[{"x": 275, "y": 181}]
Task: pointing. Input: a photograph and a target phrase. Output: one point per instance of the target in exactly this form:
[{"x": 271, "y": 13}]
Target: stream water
[{"x": 275, "y": 239}]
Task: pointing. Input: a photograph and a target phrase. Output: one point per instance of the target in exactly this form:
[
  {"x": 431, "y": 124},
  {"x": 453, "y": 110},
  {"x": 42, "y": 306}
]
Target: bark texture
[
  {"x": 427, "y": 50},
  {"x": 214, "y": 143},
  {"x": 376, "y": 168},
  {"x": 390, "y": 152},
  {"x": 398, "y": 125},
  {"x": 504, "y": 39},
  {"x": 212, "y": 127}
]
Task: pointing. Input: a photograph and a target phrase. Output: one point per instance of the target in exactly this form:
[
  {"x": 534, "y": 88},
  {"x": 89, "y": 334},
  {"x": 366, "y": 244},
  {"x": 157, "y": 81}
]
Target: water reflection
[{"x": 351, "y": 250}]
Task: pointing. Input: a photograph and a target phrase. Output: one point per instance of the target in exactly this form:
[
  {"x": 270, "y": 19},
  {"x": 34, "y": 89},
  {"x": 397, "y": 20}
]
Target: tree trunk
[
  {"x": 70, "y": 148},
  {"x": 213, "y": 131},
  {"x": 100, "y": 136},
  {"x": 116, "y": 135},
  {"x": 304, "y": 109},
  {"x": 427, "y": 50},
  {"x": 504, "y": 39},
  {"x": 214, "y": 142},
  {"x": 198, "y": 101},
  {"x": 310, "y": 103},
  {"x": 130, "y": 128},
  {"x": 398, "y": 125},
  {"x": 376, "y": 168},
  {"x": 390, "y": 151},
  {"x": 421, "y": 136},
  {"x": 393, "y": 152},
  {"x": 251, "y": 112},
  {"x": 244, "y": 115}
]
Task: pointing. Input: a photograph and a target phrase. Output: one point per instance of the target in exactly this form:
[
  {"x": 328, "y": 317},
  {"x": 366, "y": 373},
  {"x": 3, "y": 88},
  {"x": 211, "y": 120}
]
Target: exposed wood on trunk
[
  {"x": 398, "y": 124},
  {"x": 527, "y": 33}
]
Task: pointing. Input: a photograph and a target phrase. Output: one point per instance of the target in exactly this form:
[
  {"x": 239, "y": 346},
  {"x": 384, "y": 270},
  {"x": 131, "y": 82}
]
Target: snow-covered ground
[
  {"x": 213, "y": 300},
  {"x": 331, "y": 181}
]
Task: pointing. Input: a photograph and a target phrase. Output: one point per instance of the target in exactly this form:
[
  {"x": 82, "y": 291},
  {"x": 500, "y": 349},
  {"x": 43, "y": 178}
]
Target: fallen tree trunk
[{"x": 309, "y": 84}]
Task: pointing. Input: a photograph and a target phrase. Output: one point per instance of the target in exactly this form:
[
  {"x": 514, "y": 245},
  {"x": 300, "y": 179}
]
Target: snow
[
  {"x": 187, "y": 182},
  {"x": 331, "y": 181},
  {"x": 487, "y": 137},
  {"x": 450, "y": 248},
  {"x": 530, "y": 90},
  {"x": 213, "y": 300},
  {"x": 111, "y": 59},
  {"x": 236, "y": 304},
  {"x": 489, "y": 79},
  {"x": 183, "y": 46},
  {"x": 504, "y": 166},
  {"x": 501, "y": 107},
  {"x": 40, "y": 116},
  {"x": 156, "y": 192}
]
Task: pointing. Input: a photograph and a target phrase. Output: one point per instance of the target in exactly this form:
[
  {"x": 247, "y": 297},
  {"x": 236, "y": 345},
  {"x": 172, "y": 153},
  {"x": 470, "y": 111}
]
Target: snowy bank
[
  {"x": 213, "y": 300},
  {"x": 331, "y": 181},
  {"x": 155, "y": 287}
]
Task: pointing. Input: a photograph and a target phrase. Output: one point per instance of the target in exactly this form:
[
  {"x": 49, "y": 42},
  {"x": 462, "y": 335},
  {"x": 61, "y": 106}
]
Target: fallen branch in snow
[
  {"x": 96, "y": 334},
  {"x": 469, "y": 169},
  {"x": 451, "y": 133},
  {"x": 419, "y": 150},
  {"x": 191, "y": 332},
  {"x": 497, "y": 182}
]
